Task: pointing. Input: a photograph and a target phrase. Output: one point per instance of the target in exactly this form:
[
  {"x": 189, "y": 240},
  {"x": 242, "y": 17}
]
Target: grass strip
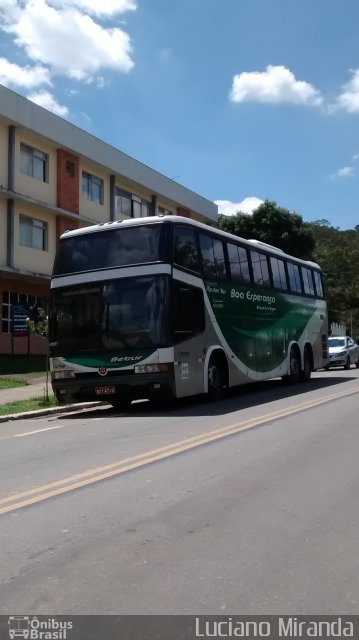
[
  {"x": 34, "y": 404},
  {"x": 5, "y": 383}
]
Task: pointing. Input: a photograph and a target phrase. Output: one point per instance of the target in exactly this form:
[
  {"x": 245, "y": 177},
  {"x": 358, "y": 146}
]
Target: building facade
[{"x": 53, "y": 177}]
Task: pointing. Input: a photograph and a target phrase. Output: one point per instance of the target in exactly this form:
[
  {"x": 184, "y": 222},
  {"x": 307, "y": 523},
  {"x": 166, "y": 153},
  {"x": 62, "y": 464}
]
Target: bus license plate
[{"x": 105, "y": 391}]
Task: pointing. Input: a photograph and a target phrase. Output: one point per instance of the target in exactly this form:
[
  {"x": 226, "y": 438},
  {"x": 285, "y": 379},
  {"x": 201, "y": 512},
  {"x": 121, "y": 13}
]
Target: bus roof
[{"x": 173, "y": 219}]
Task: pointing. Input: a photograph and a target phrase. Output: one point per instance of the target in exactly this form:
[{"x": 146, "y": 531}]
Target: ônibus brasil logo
[{"x": 31, "y": 628}]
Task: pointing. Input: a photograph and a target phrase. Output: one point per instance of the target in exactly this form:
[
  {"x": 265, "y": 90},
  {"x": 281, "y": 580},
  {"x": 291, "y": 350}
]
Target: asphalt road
[{"x": 249, "y": 506}]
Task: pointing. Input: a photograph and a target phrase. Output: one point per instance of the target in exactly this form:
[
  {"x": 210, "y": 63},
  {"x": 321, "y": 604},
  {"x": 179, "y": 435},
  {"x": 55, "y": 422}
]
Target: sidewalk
[{"x": 35, "y": 388}]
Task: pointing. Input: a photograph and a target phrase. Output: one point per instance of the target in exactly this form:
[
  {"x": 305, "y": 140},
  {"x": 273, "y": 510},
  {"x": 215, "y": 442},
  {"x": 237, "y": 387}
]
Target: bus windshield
[
  {"x": 114, "y": 314},
  {"x": 111, "y": 248}
]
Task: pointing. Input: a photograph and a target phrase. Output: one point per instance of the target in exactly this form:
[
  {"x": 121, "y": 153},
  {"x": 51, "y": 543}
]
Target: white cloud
[
  {"x": 355, "y": 156},
  {"x": 345, "y": 172},
  {"x": 64, "y": 37},
  {"x": 349, "y": 98},
  {"x": 9, "y": 10},
  {"x": 13, "y": 75},
  {"x": 275, "y": 85},
  {"x": 47, "y": 100},
  {"x": 69, "y": 42},
  {"x": 97, "y": 7},
  {"x": 248, "y": 205}
]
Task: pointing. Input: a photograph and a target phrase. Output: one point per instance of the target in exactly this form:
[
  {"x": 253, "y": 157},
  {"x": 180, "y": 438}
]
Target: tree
[
  {"x": 274, "y": 225},
  {"x": 337, "y": 252}
]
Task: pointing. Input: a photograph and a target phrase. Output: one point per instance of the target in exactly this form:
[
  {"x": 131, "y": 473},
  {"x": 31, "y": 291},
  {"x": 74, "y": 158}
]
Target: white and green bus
[{"x": 167, "y": 306}]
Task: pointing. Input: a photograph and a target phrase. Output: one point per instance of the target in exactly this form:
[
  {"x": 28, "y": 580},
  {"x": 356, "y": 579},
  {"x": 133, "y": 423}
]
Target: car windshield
[{"x": 337, "y": 342}]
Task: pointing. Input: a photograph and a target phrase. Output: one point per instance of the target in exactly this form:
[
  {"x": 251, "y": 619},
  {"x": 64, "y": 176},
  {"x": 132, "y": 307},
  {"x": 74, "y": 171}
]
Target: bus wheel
[
  {"x": 294, "y": 365},
  {"x": 307, "y": 366},
  {"x": 120, "y": 404},
  {"x": 215, "y": 379}
]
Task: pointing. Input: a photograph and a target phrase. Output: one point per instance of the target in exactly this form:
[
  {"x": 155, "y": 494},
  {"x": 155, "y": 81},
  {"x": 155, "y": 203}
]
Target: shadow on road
[{"x": 244, "y": 397}]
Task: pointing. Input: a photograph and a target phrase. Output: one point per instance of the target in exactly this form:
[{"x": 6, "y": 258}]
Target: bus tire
[
  {"x": 294, "y": 368},
  {"x": 307, "y": 366},
  {"x": 215, "y": 379}
]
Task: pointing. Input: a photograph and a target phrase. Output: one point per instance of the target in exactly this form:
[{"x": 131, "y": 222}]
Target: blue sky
[{"x": 239, "y": 100}]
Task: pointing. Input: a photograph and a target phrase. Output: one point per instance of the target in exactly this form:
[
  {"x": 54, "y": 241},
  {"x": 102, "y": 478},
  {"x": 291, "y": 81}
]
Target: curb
[{"x": 50, "y": 411}]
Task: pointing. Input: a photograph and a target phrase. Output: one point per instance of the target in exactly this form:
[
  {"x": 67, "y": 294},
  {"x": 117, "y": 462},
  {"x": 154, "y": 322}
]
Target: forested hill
[{"x": 337, "y": 252}]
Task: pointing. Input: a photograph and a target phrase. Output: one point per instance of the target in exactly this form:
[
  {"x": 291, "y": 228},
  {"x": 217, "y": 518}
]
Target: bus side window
[
  {"x": 278, "y": 273},
  {"x": 188, "y": 310},
  {"x": 212, "y": 253},
  {"x": 318, "y": 284},
  {"x": 238, "y": 263},
  {"x": 185, "y": 252},
  {"x": 260, "y": 268},
  {"x": 294, "y": 278},
  {"x": 308, "y": 281}
]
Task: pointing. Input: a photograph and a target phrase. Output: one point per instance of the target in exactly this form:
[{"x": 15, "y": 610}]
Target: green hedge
[{"x": 22, "y": 364}]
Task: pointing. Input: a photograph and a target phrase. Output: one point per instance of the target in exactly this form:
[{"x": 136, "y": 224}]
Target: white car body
[{"x": 343, "y": 351}]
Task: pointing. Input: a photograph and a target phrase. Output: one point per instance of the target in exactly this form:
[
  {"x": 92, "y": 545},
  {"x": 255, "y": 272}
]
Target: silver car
[{"x": 343, "y": 351}]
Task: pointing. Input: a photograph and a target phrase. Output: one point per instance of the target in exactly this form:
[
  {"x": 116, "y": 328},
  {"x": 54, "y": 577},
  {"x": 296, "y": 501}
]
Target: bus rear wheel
[
  {"x": 307, "y": 366},
  {"x": 294, "y": 368},
  {"x": 215, "y": 379}
]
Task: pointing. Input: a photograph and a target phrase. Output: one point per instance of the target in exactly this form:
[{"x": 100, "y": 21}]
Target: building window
[
  {"x": 136, "y": 207},
  {"x": 70, "y": 168},
  {"x": 32, "y": 302},
  {"x": 34, "y": 163},
  {"x": 145, "y": 209},
  {"x": 92, "y": 187},
  {"x": 33, "y": 233},
  {"x": 130, "y": 205}
]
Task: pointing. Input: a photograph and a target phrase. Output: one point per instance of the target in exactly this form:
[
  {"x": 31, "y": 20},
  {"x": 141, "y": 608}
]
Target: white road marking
[{"x": 30, "y": 433}]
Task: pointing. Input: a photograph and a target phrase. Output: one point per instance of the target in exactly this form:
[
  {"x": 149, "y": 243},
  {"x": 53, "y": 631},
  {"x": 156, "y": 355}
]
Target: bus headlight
[{"x": 60, "y": 375}]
